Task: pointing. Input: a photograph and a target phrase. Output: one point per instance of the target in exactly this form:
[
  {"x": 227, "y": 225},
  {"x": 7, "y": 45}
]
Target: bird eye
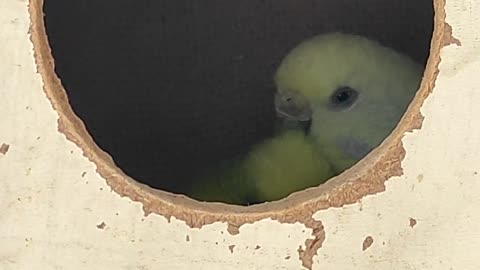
[{"x": 343, "y": 98}]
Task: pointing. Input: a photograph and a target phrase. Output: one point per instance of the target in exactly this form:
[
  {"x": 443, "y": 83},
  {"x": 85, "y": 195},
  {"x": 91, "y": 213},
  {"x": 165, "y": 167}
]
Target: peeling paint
[
  {"x": 300, "y": 251},
  {"x": 4, "y": 148},
  {"x": 448, "y": 38},
  {"x": 233, "y": 229},
  {"x": 413, "y": 222},
  {"x": 368, "y": 242},
  {"x": 312, "y": 245}
]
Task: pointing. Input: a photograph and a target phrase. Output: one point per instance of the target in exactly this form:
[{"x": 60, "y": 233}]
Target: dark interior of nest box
[{"x": 171, "y": 87}]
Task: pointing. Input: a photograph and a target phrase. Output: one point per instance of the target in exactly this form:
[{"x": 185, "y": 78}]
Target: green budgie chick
[
  {"x": 272, "y": 170},
  {"x": 353, "y": 90},
  {"x": 285, "y": 164}
]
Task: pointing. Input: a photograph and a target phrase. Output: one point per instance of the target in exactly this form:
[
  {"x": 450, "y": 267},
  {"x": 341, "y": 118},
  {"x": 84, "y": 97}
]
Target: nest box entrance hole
[{"x": 172, "y": 88}]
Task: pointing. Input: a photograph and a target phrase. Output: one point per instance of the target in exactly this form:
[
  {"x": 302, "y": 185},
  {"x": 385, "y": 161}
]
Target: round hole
[{"x": 170, "y": 89}]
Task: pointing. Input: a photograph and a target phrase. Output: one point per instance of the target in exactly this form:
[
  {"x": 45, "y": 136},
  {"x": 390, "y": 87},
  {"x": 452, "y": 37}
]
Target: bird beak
[
  {"x": 292, "y": 105},
  {"x": 294, "y": 108}
]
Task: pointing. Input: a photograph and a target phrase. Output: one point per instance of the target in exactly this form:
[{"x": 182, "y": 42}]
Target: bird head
[{"x": 352, "y": 89}]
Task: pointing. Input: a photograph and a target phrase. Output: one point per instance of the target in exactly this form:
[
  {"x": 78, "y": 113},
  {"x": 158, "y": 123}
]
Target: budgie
[{"x": 351, "y": 90}]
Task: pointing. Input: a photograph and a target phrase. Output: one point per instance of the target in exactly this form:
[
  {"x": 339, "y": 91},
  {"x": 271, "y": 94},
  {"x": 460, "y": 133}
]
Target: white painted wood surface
[{"x": 57, "y": 212}]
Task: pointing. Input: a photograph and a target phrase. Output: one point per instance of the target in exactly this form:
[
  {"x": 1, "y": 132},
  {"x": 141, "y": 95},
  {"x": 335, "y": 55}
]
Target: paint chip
[
  {"x": 4, "y": 148},
  {"x": 257, "y": 247},
  {"x": 413, "y": 222},
  {"x": 83, "y": 174},
  {"x": 101, "y": 226},
  {"x": 233, "y": 229},
  {"x": 300, "y": 251},
  {"x": 287, "y": 258},
  {"x": 449, "y": 38},
  {"x": 420, "y": 178},
  {"x": 187, "y": 238},
  {"x": 368, "y": 242},
  {"x": 312, "y": 245},
  {"x": 231, "y": 247}
]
